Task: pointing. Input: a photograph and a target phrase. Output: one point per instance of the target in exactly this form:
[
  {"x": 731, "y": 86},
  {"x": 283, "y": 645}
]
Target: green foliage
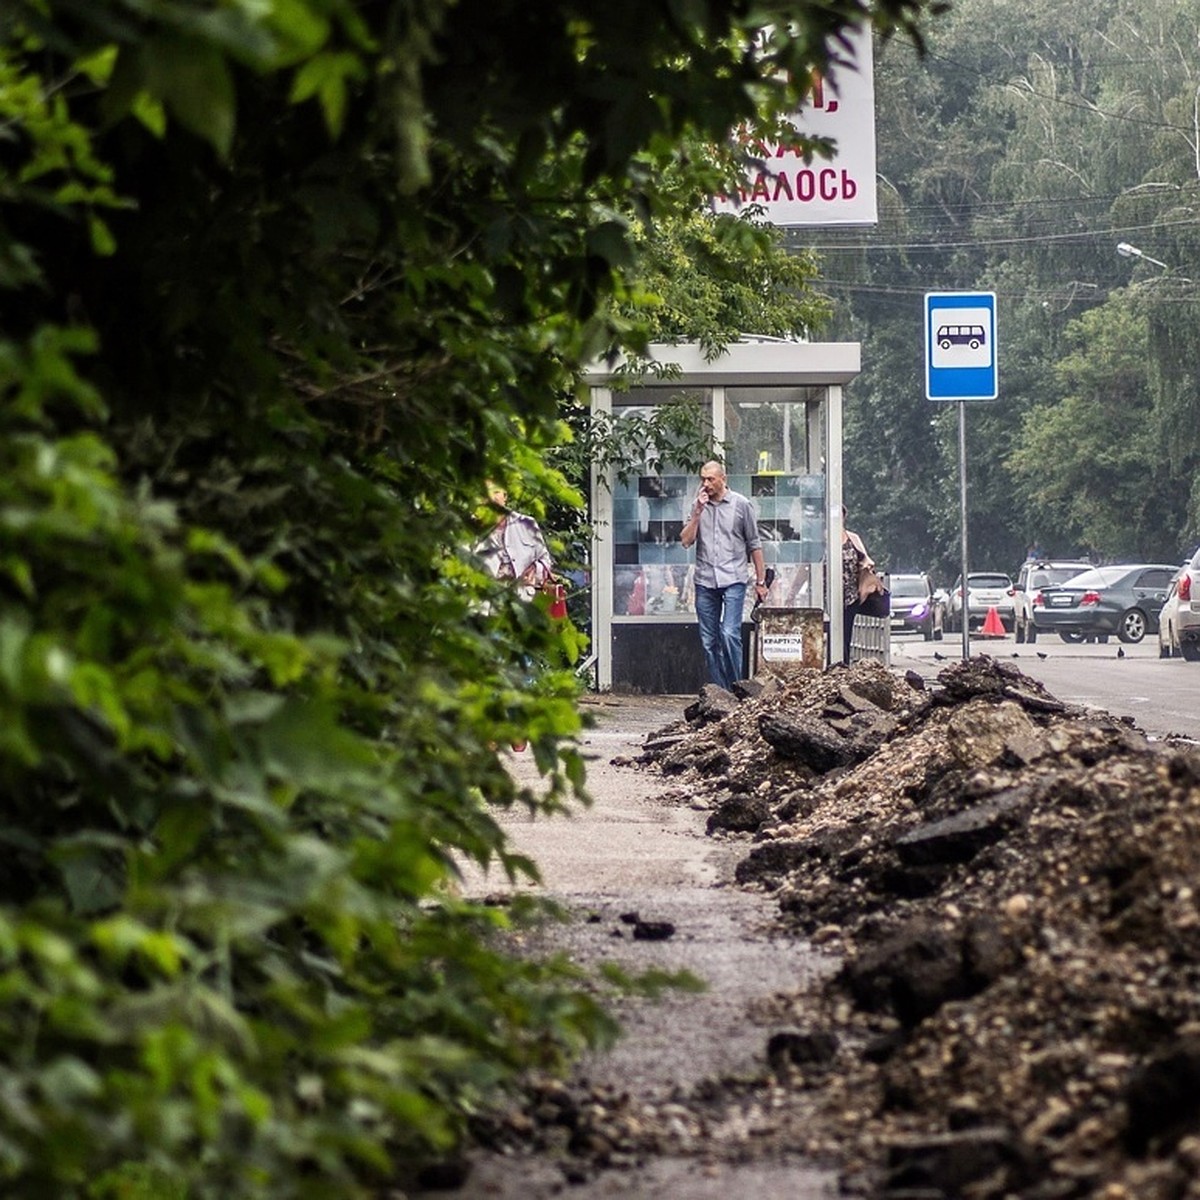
[
  {"x": 282, "y": 283},
  {"x": 652, "y": 983},
  {"x": 1089, "y": 458},
  {"x": 674, "y": 435},
  {"x": 135, "y": 1181},
  {"x": 711, "y": 278}
]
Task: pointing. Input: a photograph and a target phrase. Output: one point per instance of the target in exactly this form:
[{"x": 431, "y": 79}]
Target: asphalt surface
[{"x": 1162, "y": 695}]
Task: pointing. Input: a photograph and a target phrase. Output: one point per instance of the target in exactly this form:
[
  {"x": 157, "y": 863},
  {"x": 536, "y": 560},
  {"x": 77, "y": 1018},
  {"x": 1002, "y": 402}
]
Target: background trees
[
  {"x": 1014, "y": 156},
  {"x": 1085, "y": 463}
]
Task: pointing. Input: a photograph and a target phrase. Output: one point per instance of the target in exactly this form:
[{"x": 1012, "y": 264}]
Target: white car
[
  {"x": 985, "y": 589},
  {"x": 1033, "y": 575},
  {"x": 1179, "y": 620}
]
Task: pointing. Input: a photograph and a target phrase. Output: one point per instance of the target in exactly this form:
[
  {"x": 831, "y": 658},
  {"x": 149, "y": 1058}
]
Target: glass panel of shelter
[
  {"x": 773, "y": 438},
  {"x": 652, "y": 572}
]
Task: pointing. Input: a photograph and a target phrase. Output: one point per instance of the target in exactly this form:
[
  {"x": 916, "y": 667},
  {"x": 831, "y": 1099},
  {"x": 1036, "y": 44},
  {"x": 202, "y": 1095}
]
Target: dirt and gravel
[{"x": 986, "y": 902}]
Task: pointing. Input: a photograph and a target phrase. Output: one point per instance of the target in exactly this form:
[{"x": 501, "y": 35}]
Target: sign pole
[
  {"x": 961, "y": 365},
  {"x": 962, "y": 517}
]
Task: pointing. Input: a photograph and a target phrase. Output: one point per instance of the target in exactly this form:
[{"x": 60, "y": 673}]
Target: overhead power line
[
  {"x": 1081, "y": 236},
  {"x": 1046, "y": 295}
]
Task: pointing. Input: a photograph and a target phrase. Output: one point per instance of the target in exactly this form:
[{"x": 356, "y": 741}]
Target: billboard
[{"x": 826, "y": 191}]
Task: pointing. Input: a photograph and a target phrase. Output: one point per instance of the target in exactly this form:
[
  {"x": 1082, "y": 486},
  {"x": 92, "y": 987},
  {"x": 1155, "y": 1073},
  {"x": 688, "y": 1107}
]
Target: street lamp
[{"x": 1125, "y": 250}]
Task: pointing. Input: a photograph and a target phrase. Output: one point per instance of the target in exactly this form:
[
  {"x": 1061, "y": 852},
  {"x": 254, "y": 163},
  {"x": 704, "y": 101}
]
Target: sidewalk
[{"x": 641, "y": 848}]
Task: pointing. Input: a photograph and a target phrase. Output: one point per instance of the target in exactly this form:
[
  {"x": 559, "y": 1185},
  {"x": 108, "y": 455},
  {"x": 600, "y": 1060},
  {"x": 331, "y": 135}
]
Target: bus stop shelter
[{"x": 775, "y": 412}]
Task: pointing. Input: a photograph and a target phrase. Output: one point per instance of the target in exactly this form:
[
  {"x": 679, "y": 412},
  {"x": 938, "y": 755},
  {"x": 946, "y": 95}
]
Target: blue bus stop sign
[{"x": 960, "y": 346}]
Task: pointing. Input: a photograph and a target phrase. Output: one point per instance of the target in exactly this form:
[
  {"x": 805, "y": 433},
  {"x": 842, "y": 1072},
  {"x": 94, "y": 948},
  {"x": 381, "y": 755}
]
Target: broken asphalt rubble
[
  {"x": 1014, "y": 888},
  {"x": 1008, "y": 890}
]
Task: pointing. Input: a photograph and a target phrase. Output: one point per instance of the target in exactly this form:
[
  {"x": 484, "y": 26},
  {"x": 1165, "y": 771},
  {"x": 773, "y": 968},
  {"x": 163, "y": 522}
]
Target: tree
[
  {"x": 1089, "y": 458},
  {"x": 281, "y": 285}
]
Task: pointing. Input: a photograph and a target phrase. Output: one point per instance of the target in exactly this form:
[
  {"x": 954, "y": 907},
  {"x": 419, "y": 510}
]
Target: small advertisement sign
[{"x": 783, "y": 647}]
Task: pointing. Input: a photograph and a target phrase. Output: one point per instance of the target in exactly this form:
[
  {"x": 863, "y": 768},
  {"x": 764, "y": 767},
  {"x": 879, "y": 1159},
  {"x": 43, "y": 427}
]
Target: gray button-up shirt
[{"x": 725, "y": 538}]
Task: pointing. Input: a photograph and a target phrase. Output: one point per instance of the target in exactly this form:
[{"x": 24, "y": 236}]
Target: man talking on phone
[{"x": 725, "y": 532}]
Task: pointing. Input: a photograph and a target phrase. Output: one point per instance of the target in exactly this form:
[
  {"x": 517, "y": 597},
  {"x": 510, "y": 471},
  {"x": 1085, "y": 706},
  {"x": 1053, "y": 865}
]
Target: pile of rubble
[{"x": 1015, "y": 887}]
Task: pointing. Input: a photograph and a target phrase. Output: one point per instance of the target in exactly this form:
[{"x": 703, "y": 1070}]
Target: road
[{"x": 1162, "y": 695}]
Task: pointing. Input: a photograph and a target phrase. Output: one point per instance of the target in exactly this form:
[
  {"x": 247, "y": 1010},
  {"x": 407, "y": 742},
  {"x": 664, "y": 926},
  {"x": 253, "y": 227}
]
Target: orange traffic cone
[{"x": 992, "y": 625}]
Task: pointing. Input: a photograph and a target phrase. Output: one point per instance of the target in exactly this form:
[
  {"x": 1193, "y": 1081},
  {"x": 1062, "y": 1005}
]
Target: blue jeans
[{"x": 719, "y": 612}]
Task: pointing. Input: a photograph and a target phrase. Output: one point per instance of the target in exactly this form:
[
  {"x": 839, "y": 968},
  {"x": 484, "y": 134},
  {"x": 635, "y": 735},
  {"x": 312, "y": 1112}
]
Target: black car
[{"x": 1124, "y": 600}]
